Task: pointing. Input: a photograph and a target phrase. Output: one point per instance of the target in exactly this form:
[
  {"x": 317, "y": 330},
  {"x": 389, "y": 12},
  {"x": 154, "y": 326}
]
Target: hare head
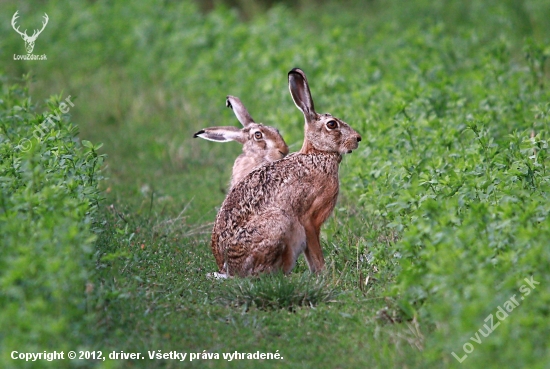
[
  {"x": 261, "y": 144},
  {"x": 323, "y": 132},
  {"x": 276, "y": 212}
]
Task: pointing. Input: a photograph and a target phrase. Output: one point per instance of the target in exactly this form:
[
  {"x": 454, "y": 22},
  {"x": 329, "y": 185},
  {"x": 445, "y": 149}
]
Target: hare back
[{"x": 243, "y": 165}]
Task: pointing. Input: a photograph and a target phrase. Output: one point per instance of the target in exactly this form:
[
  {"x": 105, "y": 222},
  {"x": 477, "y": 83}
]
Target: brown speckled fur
[{"x": 275, "y": 213}]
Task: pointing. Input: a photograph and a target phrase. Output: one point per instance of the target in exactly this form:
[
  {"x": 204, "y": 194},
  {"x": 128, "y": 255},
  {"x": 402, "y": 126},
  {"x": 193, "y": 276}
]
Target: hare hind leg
[
  {"x": 274, "y": 241},
  {"x": 257, "y": 247},
  {"x": 286, "y": 240}
]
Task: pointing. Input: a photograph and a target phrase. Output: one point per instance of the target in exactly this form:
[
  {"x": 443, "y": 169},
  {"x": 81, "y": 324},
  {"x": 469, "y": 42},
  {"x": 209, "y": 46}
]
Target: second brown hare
[
  {"x": 276, "y": 211},
  {"x": 261, "y": 144}
]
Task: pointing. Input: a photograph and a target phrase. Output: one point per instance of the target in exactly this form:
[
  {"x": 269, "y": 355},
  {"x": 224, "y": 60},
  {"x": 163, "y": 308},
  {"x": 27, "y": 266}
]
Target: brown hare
[
  {"x": 276, "y": 211},
  {"x": 261, "y": 144}
]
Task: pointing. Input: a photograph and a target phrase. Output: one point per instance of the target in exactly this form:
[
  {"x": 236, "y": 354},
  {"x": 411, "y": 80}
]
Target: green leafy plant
[{"x": 49, "y": 198}]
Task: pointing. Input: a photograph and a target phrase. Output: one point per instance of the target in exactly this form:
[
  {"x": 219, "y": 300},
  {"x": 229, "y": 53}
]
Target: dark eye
[
  {"x": 332, "y": 124},
  {"x": 258, "y": 135}
]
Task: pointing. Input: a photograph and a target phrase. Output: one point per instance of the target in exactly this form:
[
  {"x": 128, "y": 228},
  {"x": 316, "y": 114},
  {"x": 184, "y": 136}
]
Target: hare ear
[
  {"x": 222, "y": 134},
  {"x": 240, "y": 111},
  {"x": 299, "y": 89}
]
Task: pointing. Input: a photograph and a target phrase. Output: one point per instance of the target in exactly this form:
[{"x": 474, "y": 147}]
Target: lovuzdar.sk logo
[{"x": 29, "y": 40}]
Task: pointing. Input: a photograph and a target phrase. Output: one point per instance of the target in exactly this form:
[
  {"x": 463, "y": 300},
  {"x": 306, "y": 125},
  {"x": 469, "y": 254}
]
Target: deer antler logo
[{"x": 29, "y": 40}]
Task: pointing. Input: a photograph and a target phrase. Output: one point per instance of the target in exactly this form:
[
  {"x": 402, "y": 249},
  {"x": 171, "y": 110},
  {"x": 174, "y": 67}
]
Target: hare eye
[
  {"x": 258, "y": 135},
  {"x": 332, "y": 124}
]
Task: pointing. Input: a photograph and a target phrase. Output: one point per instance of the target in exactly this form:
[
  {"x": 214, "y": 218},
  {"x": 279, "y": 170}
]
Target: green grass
[
  {"x": 278, "y": 291},
  {"x": 161, "y": 274},
  {"x": 443, "y": 210}
]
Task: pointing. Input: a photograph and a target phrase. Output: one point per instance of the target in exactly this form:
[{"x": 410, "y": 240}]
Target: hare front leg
[
  {"x": 295, "y": 244},
  {"x": 319, "y": 212},
  {"x": 313, "y": 252}
]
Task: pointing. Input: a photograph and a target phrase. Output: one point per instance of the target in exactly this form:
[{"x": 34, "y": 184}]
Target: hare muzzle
[{"x": 354, "y": 143}]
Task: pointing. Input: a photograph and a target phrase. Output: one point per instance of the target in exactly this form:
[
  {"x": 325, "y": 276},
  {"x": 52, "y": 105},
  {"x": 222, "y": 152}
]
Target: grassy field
[{"x": 443, "y": 210}]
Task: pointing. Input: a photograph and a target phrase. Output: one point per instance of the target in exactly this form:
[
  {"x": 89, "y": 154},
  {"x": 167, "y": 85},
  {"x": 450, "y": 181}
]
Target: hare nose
[{"x": 358, "y": 138}]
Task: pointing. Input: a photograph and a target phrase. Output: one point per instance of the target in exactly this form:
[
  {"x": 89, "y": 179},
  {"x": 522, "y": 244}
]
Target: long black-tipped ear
[
  {"x": 299, "y": 89},
  {"x": 240, "y": 111},
  {"x": 222, "y": 134}
]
